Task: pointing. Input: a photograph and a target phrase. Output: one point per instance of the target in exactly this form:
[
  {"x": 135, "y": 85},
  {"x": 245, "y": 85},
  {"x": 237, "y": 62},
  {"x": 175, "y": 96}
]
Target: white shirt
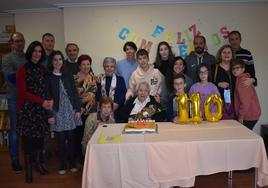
[{"x": 139, "y": 105}]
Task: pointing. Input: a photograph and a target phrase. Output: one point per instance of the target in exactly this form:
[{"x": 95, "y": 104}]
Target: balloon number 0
[{"x": 195, "y": 100}]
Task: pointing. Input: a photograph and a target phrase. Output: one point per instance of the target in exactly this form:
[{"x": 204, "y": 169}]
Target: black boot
[
  {"x": 39, "y": 167},
  {"x": 28, "y": 168},
  {"x": 16, "y": 167}
]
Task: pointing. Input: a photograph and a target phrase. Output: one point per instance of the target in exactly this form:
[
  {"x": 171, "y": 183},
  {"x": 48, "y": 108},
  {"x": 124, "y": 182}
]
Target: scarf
[{"x": 112, "y": 87}]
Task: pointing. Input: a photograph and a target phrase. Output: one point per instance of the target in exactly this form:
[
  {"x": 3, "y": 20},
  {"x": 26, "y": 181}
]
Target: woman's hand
[
  {"x": 48, "y": 104},
  {"x": 51, "y": 121},
  {"x": 176, "y": 120},
  {"x": 128, "y": 96},
  {"x": 157, "y": 97},
  {"x": 98, "y": 78},
  {"x": 88, "y": 98},
  {"x": 77, "y": 116},
  {"x": 223, "y": 85}
]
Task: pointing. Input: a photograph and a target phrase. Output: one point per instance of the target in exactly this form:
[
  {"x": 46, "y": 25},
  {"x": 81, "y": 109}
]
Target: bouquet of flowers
[{"x": 148, "y": 112}]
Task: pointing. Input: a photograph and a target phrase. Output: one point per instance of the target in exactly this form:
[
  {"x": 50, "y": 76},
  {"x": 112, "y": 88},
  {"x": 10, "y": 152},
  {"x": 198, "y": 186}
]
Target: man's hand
[{"x": 248, "y": 81}]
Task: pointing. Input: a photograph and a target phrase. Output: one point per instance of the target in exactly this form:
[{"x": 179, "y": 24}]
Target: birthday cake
[{"x": 141, "y": 126}]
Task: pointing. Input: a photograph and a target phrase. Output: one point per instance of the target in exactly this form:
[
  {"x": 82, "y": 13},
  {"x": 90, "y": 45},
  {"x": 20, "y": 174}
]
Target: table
[{"x": 173, "y": 156}]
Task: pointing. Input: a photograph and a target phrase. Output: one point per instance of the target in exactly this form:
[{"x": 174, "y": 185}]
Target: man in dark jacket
[{"x": 198, "y": 56}]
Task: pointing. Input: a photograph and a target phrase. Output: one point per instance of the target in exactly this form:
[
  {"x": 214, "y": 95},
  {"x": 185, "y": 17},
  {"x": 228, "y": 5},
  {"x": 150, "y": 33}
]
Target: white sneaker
[
  {"x": 62, "y": 172},
  {"x": 73, "y": 170}
]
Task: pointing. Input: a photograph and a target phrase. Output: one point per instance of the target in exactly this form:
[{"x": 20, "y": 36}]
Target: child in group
[
  {"x": 145, "y": 72},
  {"x": 66, "y": 110},
  {"x": 104, "y": 116},
  {"x": 246, "y": 102},
  {"x": 179, "y": 86},
  {"x": 204, "y": 87}
]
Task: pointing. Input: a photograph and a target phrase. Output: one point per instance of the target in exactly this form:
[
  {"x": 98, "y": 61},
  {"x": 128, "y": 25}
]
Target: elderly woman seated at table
[
  {"x": 143, "y": 106},
  {"x": 112, "y": 86}
]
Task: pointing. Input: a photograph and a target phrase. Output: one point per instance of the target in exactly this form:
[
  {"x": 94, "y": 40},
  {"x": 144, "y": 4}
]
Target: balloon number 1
[
  {"x": 195, "y": 100},
  {"x": 195, "y": 108}
]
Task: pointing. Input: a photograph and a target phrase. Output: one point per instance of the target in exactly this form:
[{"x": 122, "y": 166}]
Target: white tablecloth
[{"x": 173, "y": 156}]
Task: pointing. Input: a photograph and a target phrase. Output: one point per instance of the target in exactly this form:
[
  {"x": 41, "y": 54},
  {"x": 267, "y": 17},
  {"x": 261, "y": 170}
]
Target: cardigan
[
  {"x": 120, "y": 89},
  {"x": 52, "y": 82},
  {"x": 23, "y": 93}
]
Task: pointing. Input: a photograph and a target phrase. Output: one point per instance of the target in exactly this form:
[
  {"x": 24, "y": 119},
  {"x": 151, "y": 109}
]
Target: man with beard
[
  {"x": 197, "y": 57},
  {"x": 126, "y": 66}
]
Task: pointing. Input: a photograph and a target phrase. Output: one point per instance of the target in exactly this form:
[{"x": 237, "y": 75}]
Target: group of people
[{"x": 47, "y": 93}]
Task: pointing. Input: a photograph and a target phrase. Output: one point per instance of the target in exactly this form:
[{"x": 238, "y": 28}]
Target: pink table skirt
[{"x": 174, "y": 156}]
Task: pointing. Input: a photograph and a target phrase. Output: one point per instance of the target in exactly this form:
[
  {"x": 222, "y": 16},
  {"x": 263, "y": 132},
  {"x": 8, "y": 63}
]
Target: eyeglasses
[
  {"x": 18, "y": 41},
  {"x": 203, "y": 72}
]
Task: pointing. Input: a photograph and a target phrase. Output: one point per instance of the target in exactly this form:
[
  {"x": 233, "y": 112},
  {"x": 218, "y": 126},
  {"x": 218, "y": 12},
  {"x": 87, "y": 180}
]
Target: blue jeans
[{"x": 12, "y": 135}]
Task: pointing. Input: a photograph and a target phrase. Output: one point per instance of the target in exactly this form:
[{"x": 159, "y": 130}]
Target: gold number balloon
[
  {"x": 183, "y": 114},
  {"x": 196, "y": 108},
  {"x": 216, "y": 99}
]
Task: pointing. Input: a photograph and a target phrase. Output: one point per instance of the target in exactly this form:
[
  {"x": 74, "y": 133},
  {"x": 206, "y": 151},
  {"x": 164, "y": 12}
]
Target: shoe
[
  {"x": 16, "y": 167},
  {"x": 74, "y": 170},
  {"x": 62, "y": 172},
  {"x": 39, "y": 167}
]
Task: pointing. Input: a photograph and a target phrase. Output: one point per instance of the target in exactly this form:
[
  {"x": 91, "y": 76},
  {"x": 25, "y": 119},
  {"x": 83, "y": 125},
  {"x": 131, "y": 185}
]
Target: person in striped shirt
[{"x": 243, "y": 54}]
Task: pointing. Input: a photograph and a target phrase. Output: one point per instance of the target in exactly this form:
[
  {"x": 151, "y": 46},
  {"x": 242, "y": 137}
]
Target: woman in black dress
[{"x": 32, "y": 107}]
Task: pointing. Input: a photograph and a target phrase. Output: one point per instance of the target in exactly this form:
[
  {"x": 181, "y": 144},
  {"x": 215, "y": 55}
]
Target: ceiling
[{"x": 13, "y": 6}]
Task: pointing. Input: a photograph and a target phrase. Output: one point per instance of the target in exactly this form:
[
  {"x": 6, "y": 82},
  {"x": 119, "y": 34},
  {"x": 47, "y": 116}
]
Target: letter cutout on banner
[
  {"x": 183, "y": 50},
  {"x": 179, "y": 38},
  {"x": 196, "y": 108},
  {"x": 146, "y": 45},
  {"x": 210, "y": 116},
  {"x": 170, "y": 35},
  {"x": 158, "y": 29},
  {"x": 194, "y": 30},
  {"x": 123, "y": 33},
  {"x": 187, "y": 36},
  {"x": 190, "y": 47},
  {"x": 183, "y": 112},
  {"x": 224, "y": 31},
  {"x": 133, "y": 37},
  {"x": 216, "y": 39}
]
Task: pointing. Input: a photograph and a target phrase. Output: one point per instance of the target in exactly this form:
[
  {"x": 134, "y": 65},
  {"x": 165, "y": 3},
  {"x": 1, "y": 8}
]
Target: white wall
[
  {"x": 6, "y": 20},
  {"x": 96, "y": 30},
  {"x": 34, "y": 25}
]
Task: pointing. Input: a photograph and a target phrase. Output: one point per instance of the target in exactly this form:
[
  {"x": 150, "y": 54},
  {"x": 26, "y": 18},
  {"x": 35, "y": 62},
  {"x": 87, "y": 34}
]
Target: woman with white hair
[
  {"x": 112, "y": 85},
  {"x": 142, "y": 106}
]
